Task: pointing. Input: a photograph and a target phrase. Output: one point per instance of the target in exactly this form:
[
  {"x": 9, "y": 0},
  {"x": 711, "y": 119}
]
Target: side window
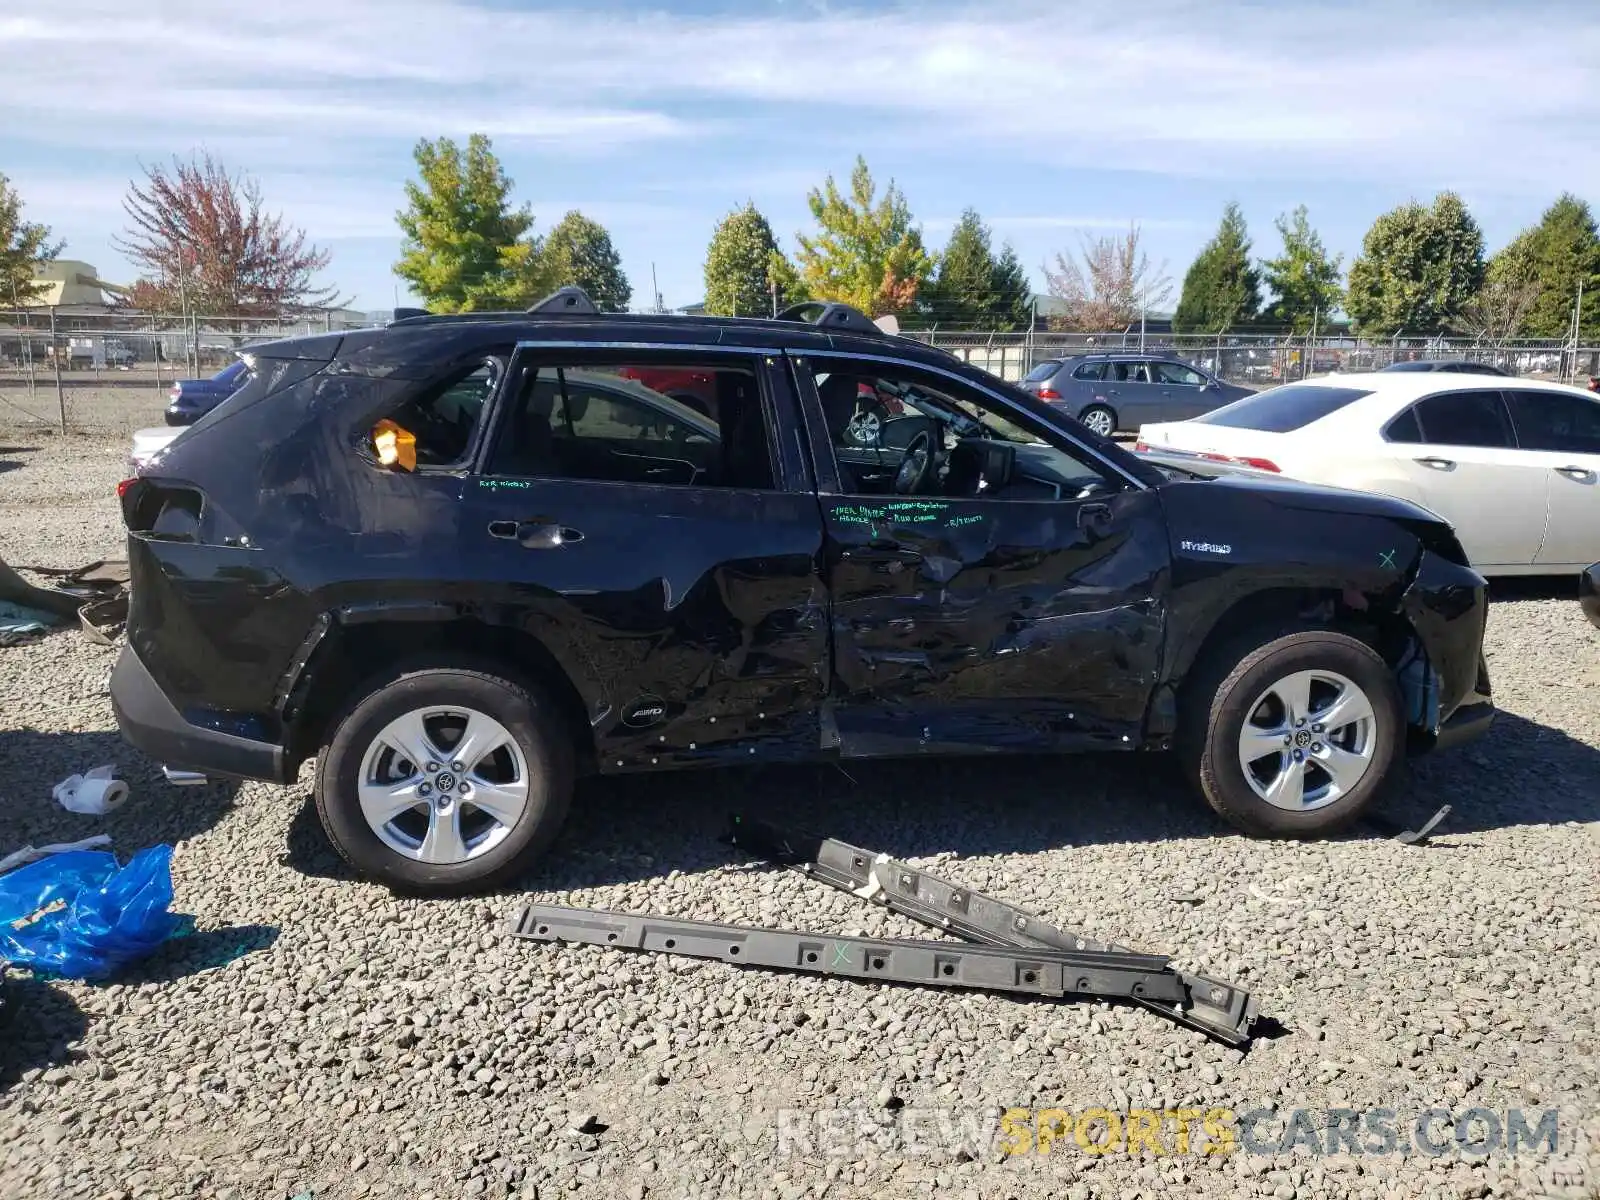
[
  {"x": 901, "y": 432},
  {"x": 1405, "y": 428},
  {"x": 1464, "y": 419},
  {"x": 1138, "y": 372},
  {"x": 1555, "y": 421},
  {"x": 444, "y": 417},
  {"x": 644, "y": 422},
  {"x": 1090, "y": 370},
  {"x": 1179, "y": 374}
]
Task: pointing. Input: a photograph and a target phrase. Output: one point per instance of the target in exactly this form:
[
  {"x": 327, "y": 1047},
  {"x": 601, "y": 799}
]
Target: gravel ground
[{"x": 318, "y": 1036}]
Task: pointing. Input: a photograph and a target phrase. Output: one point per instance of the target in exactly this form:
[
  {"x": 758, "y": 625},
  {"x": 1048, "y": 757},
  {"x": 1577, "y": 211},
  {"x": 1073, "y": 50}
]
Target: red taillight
[
  {"x": 1140, "y": 447},
  {"x": 1049, "y": 394},
  {"x": 1244, "y": 460},
  {"x": 123, "y": 486}
]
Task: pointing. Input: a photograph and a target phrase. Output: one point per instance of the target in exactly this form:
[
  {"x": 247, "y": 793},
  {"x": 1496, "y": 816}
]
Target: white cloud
[{"x": 1433, "y": 91}]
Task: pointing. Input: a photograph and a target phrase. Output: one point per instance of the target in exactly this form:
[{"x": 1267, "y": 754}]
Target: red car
[{"x": 697, "y": 389}]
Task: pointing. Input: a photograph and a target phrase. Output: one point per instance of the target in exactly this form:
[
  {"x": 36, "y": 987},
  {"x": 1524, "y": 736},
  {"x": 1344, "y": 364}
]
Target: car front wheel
[
  {"x": 1294, "y": 737},
  {"x": 444, "y": 779}
]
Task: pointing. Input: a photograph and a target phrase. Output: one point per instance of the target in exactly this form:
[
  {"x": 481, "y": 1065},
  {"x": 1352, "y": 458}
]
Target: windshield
[{"x": 1283, "y": 409}]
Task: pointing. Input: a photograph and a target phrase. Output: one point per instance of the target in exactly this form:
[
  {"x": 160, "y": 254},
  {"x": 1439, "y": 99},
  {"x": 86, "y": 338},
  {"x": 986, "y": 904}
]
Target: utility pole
[
  {"x": 655, "y": 290},
  {"x": 772, "y": 285},
  {"x": 1311, "y": 341}
]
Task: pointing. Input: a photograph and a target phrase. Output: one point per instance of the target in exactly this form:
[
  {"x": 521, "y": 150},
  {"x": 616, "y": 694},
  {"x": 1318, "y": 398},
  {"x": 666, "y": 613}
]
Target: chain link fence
[
  {"x": 110, "y": 372},
  {"x": 1263, "y": 360}
]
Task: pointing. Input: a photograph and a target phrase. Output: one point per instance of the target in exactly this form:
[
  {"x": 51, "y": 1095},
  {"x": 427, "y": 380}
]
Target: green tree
[
  {"x": 739, "y": 271},
  {"x": 866, "y": 252},
  {"x": 1563, "y": 250},
  {"x": 24, "y": 246},
  {"x": 1303, "y": 280},
  {"x": 973, "y": 287},
  {"x": 1418, "y": 268},
  {"x": 465, "y": 248},
  {"x": 578, "y": 252},
  {"x": 1222, "y": 289}
]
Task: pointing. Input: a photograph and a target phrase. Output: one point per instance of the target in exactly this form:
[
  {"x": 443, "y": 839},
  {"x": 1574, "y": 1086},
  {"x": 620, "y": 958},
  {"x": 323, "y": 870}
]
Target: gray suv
[{"x": 1114, "y": 392}]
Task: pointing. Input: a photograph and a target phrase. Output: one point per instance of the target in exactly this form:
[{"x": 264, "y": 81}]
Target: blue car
[{"x": 190, "y": 399}]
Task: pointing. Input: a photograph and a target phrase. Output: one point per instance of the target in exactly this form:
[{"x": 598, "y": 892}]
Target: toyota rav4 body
[{"x": 459, "y": 559}]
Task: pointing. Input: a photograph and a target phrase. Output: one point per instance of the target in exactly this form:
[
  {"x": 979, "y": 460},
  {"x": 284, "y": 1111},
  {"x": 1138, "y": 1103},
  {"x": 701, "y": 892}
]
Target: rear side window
[
  {"x": 1092, "y": 370},
  {"x": 1464, "y": 419},
  {"x": 1283, "y": 409},
  {"x": 444, "y": 417},
  {"x": 1556, "y": 421},
  {"x": 1042, "y": 372}
]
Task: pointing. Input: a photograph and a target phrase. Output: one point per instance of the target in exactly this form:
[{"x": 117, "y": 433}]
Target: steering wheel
[{"x": 916, "y": 465}]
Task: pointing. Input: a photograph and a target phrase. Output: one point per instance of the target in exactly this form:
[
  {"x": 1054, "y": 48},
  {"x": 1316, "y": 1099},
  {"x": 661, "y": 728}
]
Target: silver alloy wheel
[
  {"x": 1100, "y": 421},
  {"x": 1309, "y": 739},
  {"x": 443, "y": 785},
  {"x": 865, "y": 428}
]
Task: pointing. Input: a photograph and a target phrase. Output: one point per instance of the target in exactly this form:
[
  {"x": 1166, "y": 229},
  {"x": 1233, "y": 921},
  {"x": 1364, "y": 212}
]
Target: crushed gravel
[{"x": 318, "y": 1036}]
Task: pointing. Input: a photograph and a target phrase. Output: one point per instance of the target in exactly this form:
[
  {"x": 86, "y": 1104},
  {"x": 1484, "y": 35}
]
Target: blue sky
[{"x": 1052, "y": 119}]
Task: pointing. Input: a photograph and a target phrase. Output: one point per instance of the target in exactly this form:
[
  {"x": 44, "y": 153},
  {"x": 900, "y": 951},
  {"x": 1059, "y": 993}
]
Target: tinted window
[
  {"x": 1090, "y": 370},
  {"x": 1477, "y": 369},
  {"x": 1405, "y": 428},
  {"x": 649, "y": 423},
  {"x": 1464, "y": 419},
  {"x": 1282, "y": 409},
  {"x": 1409, "y": 366},
  {"x": 1179, "y": 374},
  {"x": 1042, "y": 372},
  {"x": 444, "y": 417},
  {"x": 1555, "y": 421}
]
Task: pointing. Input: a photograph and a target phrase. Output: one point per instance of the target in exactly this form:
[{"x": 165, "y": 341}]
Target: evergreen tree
[
  {"x": 1222, "y": 289},
  {"x": 1563, "y": 250},
  {"x": 578, "y": 252},
  {"x": 739, "y": 275}
]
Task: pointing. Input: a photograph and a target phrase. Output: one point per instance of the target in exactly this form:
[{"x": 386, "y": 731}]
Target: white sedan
[{"x": 1513, "y": 464}]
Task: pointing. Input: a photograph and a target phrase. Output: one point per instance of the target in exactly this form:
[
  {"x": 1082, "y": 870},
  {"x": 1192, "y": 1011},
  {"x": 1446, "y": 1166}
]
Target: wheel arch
[
  {"x": 1374, "y": 618},
  {"x": 350, "y": 646}
]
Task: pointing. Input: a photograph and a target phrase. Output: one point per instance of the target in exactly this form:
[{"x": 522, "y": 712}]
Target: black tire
[
  {"x": 1215, "y": 708},
  {"x": 1083, "y": 417},
  {"x": 525, "y": 713}
]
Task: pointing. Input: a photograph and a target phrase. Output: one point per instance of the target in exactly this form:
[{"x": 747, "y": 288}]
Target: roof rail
[
  {"x": 566, "y": 300},
  {"x": 831, "y": 315}
]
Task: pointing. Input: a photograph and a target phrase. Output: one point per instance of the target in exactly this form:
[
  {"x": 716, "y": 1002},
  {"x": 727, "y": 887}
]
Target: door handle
[
  {"x": 1438, "y": 464},
  {"x": 1579, "y": 473},
  {"x": 535, "y": 535}
]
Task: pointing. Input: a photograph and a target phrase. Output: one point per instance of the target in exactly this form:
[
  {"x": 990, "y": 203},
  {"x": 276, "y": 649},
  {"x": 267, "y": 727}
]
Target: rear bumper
[
  {"x": 1468, "y": 723},
  {"x": 1589, "y": 594},
  {"x": 149, "y": 722}
]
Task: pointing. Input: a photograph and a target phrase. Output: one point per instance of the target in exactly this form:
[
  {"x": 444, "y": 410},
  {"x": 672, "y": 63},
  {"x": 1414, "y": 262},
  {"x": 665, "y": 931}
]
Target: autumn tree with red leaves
[{"x": 208, "y": 246}]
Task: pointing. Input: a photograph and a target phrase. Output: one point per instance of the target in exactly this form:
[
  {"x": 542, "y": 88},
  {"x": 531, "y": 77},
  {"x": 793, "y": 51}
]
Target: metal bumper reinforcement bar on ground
[
  {"x": 1218, "y": 1009},
  {"x": 1041, "y": 972},
  {"x": 1005, "y": 950}
]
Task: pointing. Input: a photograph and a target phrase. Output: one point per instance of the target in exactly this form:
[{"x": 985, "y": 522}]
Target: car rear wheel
[
  {"x": 1097, "y": 418},
  {"x": 444, "y": 779},
  {"x": 1295, "y": 736}
]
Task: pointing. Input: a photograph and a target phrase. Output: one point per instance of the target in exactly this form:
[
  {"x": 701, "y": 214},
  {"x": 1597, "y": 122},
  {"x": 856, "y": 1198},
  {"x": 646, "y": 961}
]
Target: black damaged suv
[{"x": 459, "y": 560}]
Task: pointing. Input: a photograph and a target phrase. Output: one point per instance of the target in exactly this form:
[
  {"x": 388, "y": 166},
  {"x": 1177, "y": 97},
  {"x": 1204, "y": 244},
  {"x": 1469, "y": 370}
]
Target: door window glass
[
  {"x": 1090, "y": 370},
  {"x": 1464, "y": 419},
  {"x": 1405, "y": 428},
  {"x": 692, "y": 426},
  {"x": 1556, "y": 421},
  {"x": 1179, "y": 374},
  {"x": 902, "y": 433}
]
